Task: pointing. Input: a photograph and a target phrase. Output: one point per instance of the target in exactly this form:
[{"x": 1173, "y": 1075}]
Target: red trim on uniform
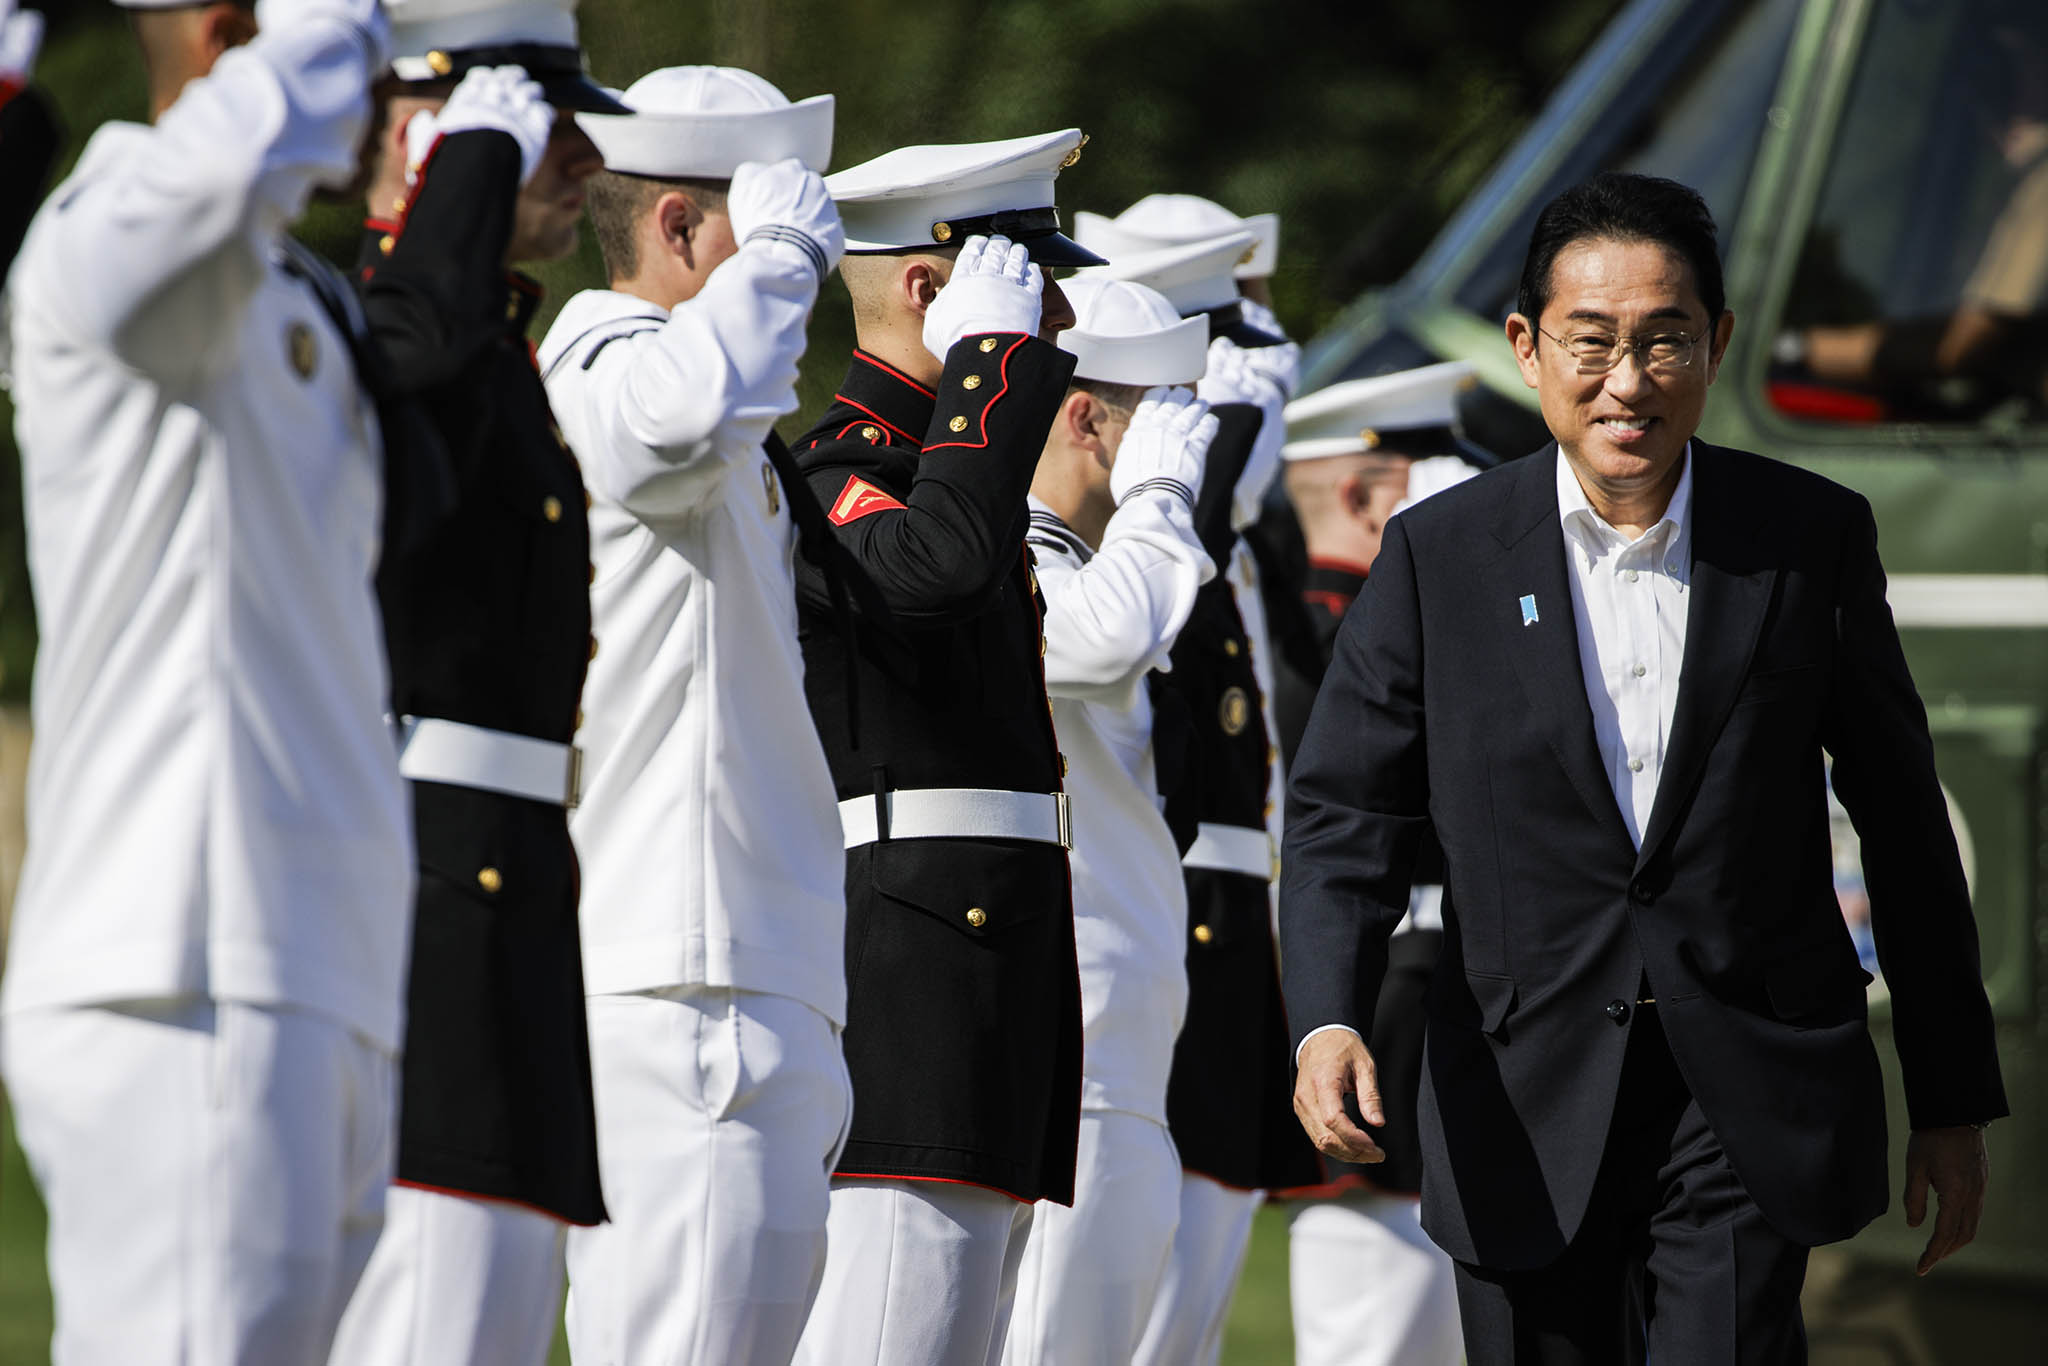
[
  {"x": 993, "y": 399},
  {"x": 876, "y": 440},
  {"x": 9, "y": 89},
  {"x": 874, "y": 416},
  {"x": 1341, "y": 566},
  {"x": 858, "y": 499},
  {"x": 1336, "y": 602},
  {"x": 889, "y": 369},
  {"x": 486, "y": 1199},
  {"x": 936, "y": 1180}
]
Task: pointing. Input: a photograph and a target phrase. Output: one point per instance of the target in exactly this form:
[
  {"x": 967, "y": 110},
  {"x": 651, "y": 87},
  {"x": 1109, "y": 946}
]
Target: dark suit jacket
[{"x": 1442, "y": 708}]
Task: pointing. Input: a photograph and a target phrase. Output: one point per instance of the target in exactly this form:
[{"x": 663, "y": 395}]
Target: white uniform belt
[
  {"x": 974, "y": 813},
  {"x": 1232, "y": 849},
  {"x": 436, "y": 751}
]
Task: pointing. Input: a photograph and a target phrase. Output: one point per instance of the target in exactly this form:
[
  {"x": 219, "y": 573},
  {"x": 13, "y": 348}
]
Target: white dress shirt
[
  {"x": 709, "y": 829},
  {"x": 1629, "y": 602},
  {"x": 1110, "y": 617},
  {"x": 214, "y": 803}
]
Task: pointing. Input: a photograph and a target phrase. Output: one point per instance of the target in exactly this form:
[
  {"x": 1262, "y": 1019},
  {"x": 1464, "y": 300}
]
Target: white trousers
[
  {"x": 214, "y": 1171},
  {"x": 918, "y": 1273},
  {"x": 1090, "y": 1273},
  {"x": 1201, "y": 1274},
  {"x": 720, "y": 1114},
  {"x": 456, "y": 1282},
  {"x": 1368, "y": 1286}
]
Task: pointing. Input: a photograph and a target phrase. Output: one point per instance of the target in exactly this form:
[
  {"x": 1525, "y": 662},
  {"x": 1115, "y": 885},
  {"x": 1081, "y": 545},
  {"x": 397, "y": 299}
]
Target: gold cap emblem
[
  {"x": 1249, "y": 253},
  {"x": 1370, "y": 437},
  {"x": 942, "y": 231},
  {"x": 440, "y": 63},
  {"x": 1075, "y": 155},
  {"x": 302, "y": 349},
  {"x": 1235, "y": 712}
]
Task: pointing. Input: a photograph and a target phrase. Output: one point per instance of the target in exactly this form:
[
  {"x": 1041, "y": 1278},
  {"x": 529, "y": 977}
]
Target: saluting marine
[
  {"x": 1228, "y": 1098},
  {"x": 1113, "y": 534},
  {"x": 487, "y": 620},
  {"x": 963, "y": 1029},
  {"x": 206, "y": 976},
  {"x": 714, "y": 908}
]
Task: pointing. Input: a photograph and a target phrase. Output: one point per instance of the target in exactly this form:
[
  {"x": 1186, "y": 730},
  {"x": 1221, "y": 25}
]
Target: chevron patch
[{"x": 858, "y": 499}]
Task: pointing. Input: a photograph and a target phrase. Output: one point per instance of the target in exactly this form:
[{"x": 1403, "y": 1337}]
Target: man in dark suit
[{"x": 1606, "y": 675}]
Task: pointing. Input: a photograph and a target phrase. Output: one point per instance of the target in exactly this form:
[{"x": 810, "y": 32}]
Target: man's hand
[
  {"x": 786, "y": 203},
  {"x": 1164, "y": 446},
  {"x": 1335, "y": 1064},
  {"x": 1952, "y": 1161},
  {"x": 498, "y": 98},
  {"x": 994, "y": 288}
]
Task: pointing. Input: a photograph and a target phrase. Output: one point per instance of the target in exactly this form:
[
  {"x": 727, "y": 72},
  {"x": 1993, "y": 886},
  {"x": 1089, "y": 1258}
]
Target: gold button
[
  {"x": 976, "y": 916},
  {"x": 1231, "y": 648},
  {"x": 511, "y": 308},
  {"x": 1063, "y": 765},
  {"x": 586, "y": 493},
  {"x": 1203, "y": 934},
  {"x": 958, "y": 424},
  {"x": 593, "y": 647},
  {"x": 439, "y": 63},
  {"x": 489, "y": 879},
  {"x": 551, "y": 508},
  {"x": 1266, "y": 813},
  {"x": 988, "y": 344},
  {"x": 942, "y": 231},
  {"x": 398, "y": 207},
  {"x": 579, "y": 718},
  {"x": 386, "y": 243},
  {"x": 868, "y": 433},
  {"x": 1041, "y": 647},
  {"x": 971, "y": 382}
]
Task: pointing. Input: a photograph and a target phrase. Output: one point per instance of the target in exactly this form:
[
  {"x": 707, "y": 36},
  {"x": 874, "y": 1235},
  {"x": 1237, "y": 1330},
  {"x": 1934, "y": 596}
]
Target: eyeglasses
[{"x": 1660, "y": 352}]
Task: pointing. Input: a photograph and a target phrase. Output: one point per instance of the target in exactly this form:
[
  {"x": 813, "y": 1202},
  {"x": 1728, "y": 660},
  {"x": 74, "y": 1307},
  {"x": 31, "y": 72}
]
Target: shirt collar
[{"x": 1575, "y": 512}]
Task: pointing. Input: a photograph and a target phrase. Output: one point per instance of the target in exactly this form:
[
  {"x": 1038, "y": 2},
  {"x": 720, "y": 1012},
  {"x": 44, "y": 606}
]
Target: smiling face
[{"x": 1624, "y": 431}]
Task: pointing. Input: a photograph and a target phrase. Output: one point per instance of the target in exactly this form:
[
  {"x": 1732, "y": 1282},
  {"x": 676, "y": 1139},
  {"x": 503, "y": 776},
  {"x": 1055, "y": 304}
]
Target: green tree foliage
[{"x": 1362, "y": 123}]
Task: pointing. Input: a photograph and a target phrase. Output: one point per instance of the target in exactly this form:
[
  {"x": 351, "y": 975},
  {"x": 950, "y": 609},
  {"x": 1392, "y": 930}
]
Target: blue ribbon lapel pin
[{"x": 1529, "y": 616}]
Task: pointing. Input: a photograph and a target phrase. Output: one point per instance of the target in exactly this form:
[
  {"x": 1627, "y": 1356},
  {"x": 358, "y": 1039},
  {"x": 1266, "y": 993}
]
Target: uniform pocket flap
[
  {"x": 1495, "y": 997},
  {"x": 979, "y": 887}
]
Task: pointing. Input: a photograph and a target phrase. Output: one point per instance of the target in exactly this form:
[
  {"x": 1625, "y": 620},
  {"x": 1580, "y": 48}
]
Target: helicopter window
[
  {"x": 1695, "y": 112},
  {"x": 1921, "y": 292}
]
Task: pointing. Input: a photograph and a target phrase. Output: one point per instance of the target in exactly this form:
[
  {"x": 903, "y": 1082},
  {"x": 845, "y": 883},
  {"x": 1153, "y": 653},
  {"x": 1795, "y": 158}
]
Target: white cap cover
[
  {"x": 935, "y": 195},
  {"x": 1126, "y": 333},
  {"x": 1195, "y": 276},
  {"x": 704, "y": 122},
  {"x": 1163, "y": 220},
  {"x": 422, "y": 27},
  {"x": 1362, "y": 414}
]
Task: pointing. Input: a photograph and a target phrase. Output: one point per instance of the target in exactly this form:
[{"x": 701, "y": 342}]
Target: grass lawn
[{"x": 1258, "y": 1333}]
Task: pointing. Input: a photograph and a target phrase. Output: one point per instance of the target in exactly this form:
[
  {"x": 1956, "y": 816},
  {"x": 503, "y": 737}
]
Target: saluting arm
[{"x": 157, "y": 257}]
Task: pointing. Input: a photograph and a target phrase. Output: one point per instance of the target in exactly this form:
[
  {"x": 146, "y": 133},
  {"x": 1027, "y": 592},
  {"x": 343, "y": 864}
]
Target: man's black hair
[{"x": 1620, "y": 206}]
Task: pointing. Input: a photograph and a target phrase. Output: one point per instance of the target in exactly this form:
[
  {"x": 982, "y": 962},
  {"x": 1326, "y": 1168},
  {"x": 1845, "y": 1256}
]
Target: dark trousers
[{"x": 1672, "y": 1264}]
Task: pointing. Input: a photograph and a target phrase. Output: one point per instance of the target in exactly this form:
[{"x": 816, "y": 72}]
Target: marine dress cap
[
  {"x": 933, "y": 196},
  {"x": 1165, "y": 220},
  {"x": 1126, "y": 333},
  {"x": 705, "y": 122},
  {"x": 1411, "y": 412},
  {"x": 1195, "y": 278},
  {"x": 441, "y": 40}
]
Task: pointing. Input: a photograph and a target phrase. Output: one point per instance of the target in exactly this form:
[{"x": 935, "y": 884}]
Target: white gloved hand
[
  {"x": 276, "y": 16},
  {"x": 1232, "y": 378},
  {"x": 501, "y": 99},
  {"x": 786, "y": 204},
  {"x": 1282, "y": 363},
  {"x": 994, "y": 288},
  {"x": 1165, "y": 446},
  {"x": 21, "y": 37}
]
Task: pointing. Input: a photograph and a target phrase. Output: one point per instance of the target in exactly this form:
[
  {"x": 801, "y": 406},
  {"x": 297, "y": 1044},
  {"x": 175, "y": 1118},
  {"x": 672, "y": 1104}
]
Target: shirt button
[
  {"x": 1633, "y": 575},
  {"x": 1641, "y": 670},
  {"x": 1635, "y": 765}
]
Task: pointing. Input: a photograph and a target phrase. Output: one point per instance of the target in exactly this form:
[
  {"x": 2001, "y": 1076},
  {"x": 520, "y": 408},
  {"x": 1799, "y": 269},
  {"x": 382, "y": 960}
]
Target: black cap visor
[
  {"x": 1038, "y": 230},
  {"x": 558, "y": 69},
  {"x": 1228, "y": 321}
]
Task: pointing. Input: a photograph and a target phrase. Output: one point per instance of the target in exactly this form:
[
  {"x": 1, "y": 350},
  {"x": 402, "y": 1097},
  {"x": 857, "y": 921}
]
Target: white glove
[
  {"x": 994, "y": 288},
  {"x": 1232, "y": 378},
  {"x": 1282, "y": 363},
  {"x": 21, "y": 37},
  {"x": 499, "y": 98},
  {"x": 786, "y": 203},
  {"x": 367, "y": 16},
  {"x": 1165, "y": 446}
]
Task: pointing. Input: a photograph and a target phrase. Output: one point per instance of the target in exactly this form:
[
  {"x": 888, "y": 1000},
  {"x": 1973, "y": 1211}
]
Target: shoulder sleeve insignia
[{"x": 858, "y": 499}]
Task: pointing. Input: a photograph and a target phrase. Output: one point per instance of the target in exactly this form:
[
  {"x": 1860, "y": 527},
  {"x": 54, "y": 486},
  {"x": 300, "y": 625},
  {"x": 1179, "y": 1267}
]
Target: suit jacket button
[
  {"x": 976, "y": 916},
  {"x": 1640, "y": 894},
  {"x": 1617, "y": 1011}
]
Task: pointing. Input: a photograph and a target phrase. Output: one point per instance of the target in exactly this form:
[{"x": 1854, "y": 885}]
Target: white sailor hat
[
  {"x": 1195, "y": 278},
  {"x": 1164, "y": 220},
  {"x": 441, "y": 40},
  {"x": 938, "y": 195},
  {"x": 1411, "y": 412},
  {"x": 1127, "y": 333},
  {"x": 704, "y": 122}
]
